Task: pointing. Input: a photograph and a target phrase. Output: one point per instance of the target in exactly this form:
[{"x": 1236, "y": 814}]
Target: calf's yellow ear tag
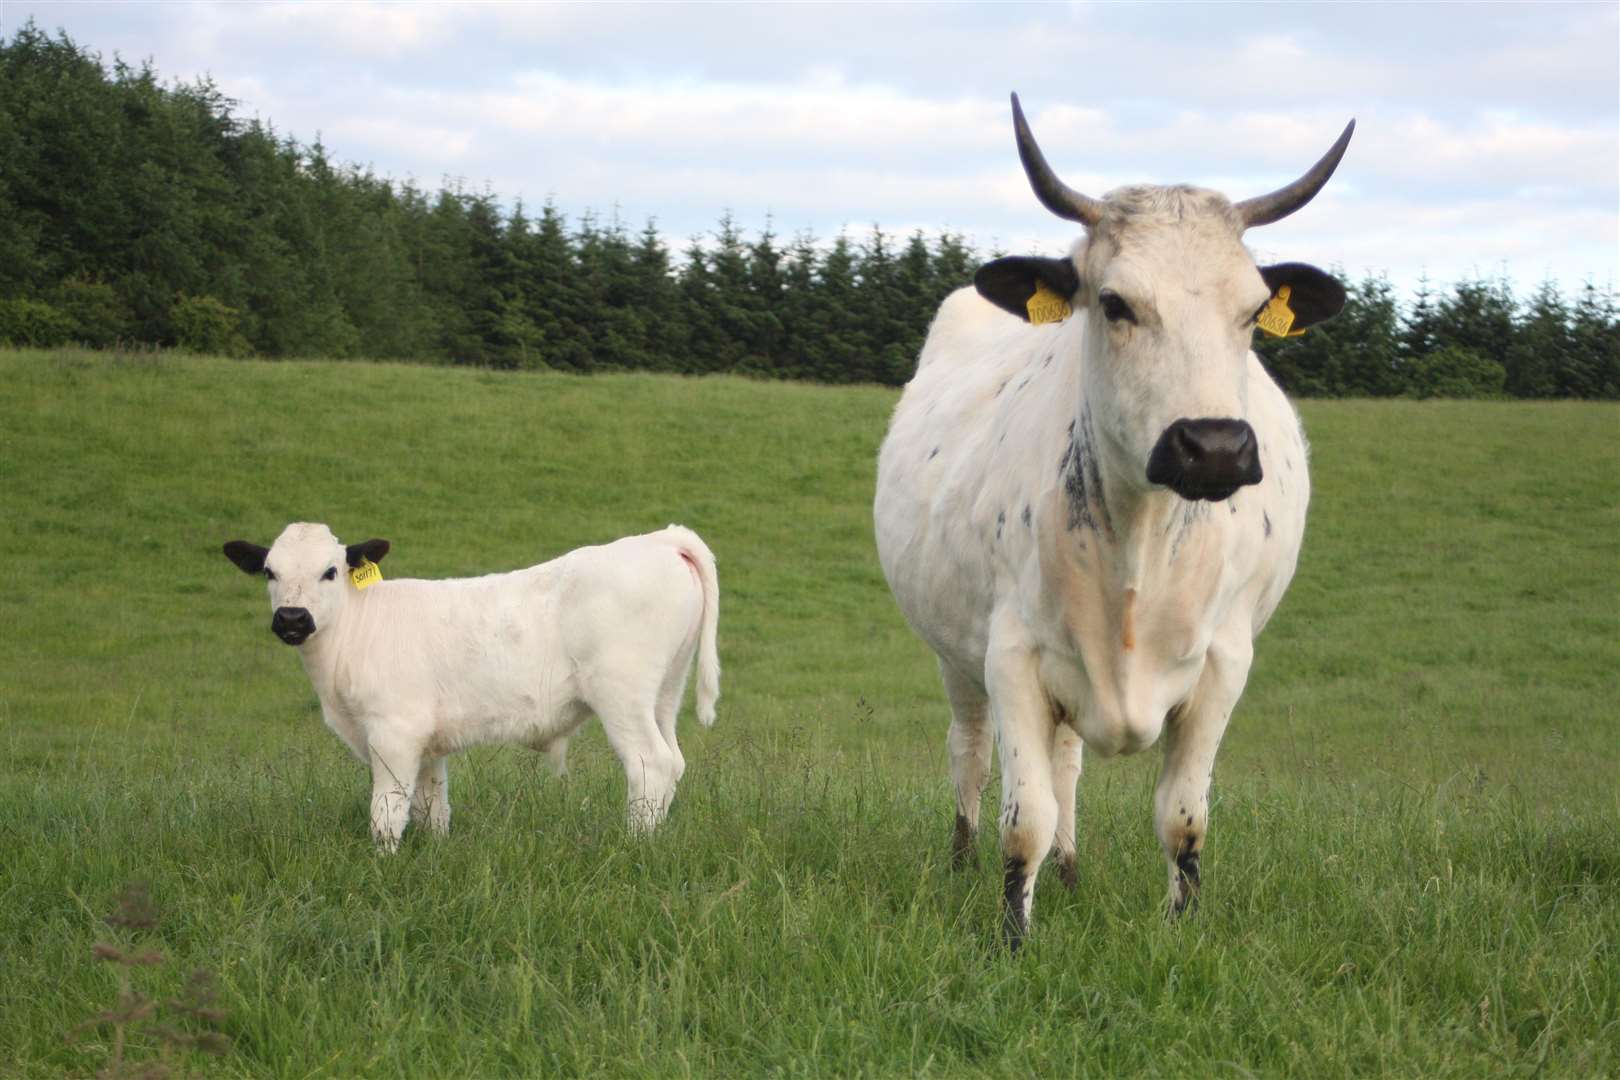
[
  {"x": 1047, "y": 306},
  {"x": 1277, "y": 318},
  {"x": 366, "y": 574}
]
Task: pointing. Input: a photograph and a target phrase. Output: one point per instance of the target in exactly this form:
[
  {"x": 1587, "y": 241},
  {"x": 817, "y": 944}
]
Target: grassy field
[{"x": 1414, "y": 860}]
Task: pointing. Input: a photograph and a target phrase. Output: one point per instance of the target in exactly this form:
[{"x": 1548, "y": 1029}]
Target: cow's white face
[
  {"x": 307, "y": 574},
  {"x": 1170, "y": 296}
]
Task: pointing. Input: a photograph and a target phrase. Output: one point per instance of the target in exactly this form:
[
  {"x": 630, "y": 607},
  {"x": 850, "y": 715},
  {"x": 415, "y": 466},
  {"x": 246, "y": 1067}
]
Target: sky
[{"x": 1487, "y": 135}]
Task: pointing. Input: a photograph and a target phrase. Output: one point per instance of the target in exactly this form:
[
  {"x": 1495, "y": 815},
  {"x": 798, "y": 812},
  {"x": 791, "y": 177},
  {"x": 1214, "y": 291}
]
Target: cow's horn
[
  {"x": 1264, "y": 209},
  {"x": 1054, "y": 194}
]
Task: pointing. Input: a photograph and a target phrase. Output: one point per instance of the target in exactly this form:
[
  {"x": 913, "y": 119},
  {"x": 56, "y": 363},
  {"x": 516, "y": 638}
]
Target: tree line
[{"x": 137, "y": 212}]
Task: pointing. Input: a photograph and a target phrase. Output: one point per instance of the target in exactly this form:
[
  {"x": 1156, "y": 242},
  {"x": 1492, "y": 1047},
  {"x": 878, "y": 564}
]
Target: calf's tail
[{"x": 701, "y": 559}]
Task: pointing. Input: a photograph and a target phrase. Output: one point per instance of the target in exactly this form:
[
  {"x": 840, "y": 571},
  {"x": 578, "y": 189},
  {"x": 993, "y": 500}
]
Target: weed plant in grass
[{"x": 1412, "y": 867}]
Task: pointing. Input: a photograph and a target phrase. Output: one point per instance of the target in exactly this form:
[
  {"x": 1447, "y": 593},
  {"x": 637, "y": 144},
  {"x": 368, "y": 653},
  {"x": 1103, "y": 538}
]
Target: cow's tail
[{"x": 701, "y": 559}]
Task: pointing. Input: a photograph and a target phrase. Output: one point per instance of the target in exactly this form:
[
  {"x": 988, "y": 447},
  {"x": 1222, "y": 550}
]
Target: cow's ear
[
  {"x": 250, "y": 557},
  {"x": 1011, "y": 284},
  {"x": 368, "y": 549},
  {"x": 1313, "y": 295}
]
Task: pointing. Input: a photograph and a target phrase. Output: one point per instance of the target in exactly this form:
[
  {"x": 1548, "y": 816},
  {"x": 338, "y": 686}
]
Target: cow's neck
[{"x": 1129, "y": 526}]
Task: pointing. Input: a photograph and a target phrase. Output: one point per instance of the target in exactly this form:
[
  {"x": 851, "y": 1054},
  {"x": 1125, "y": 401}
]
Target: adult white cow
[
  {"x": 409, "y": 671},
  {"x": 1089, "y": 507}
]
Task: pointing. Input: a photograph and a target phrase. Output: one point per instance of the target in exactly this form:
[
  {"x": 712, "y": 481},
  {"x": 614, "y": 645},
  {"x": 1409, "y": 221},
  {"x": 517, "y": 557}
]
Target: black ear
[
  {"x": 369, "y": 549},
  {"x": 1009, "y": 283},
  {"x": 1313, "y": 295},
  {"x": 250, "y": 557}
]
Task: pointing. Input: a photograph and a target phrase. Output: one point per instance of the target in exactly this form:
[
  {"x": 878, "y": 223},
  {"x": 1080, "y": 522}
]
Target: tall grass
[{"x": 1415, "y": 843}]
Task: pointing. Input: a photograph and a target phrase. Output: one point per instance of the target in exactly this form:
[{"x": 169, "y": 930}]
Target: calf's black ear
[
  {"x": 1010, "y": 283},
  {"x": 368, "y": 549},
  {"x": 250, "y": 557},
  {"x": 1313, "y": 295}
]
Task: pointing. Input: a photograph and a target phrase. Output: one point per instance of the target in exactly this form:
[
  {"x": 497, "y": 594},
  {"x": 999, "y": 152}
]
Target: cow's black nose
[
  {"x": 292, "y": 624},
  {"x": 1205, "y": 459}
]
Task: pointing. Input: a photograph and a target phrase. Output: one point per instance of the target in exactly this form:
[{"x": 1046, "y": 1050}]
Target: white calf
[{"x": 410, "y": 671}]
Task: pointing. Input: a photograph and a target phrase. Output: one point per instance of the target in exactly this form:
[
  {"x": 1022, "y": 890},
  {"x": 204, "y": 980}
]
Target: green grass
[{"x": 1414, "y": 854}]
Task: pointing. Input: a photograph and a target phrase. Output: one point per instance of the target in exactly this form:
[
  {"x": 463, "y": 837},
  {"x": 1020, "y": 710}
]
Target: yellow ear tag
[
  {"x": 366, "y": 574},
  {"x": 1277, "y": 317},
  {"x": 1047, "y": 306}
]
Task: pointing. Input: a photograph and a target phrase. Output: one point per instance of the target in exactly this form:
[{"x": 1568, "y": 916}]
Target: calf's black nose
[
  {"x": 1205, "y": 459},
  {"x": 292, "y": 624}
]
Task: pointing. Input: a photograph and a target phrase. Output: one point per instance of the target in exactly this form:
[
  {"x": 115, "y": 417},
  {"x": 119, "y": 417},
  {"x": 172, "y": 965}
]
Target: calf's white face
[{"x": 307, "y": 572}]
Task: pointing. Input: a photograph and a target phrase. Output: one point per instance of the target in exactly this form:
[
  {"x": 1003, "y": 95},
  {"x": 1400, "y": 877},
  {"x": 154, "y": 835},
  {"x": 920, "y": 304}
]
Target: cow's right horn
[
  {"x": 1054, "y": 194},
  {"x": 1264, "y": 209}
]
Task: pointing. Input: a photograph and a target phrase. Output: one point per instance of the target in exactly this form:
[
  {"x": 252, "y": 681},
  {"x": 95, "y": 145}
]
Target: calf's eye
[
  {"x": 269, "y": 574},
  {"x": 330, "y": 575}
]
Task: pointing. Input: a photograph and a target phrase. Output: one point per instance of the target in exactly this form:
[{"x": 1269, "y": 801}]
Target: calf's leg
[
  {"x": 430, "y": 801},
  {"x": 668, "y": 710},
  {"x": 394, "y": 769},
  {"x": 649, "y": 766}
]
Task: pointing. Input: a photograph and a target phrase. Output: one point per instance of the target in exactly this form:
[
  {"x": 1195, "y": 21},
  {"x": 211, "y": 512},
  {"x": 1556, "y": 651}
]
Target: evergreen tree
[
  {"x": 765, "y": 347},
  {"x": 704, "y": 351},
  {"x": 558, "y": 296},
  {"x": 1477, "y": 316},
  {"x": 518, "y": 326},
  {"x": 797, "y": 309},
  {"x": 839, "y": 352},
  {"x": 658, "y": 301},
  {"x": 1542, "y": 346},
  {"x": 1419, "y": 331},
  {"x": 954, "y": 264},
  {"x": 1595, "y": 327},
  {"x": 737, "y": 312}
]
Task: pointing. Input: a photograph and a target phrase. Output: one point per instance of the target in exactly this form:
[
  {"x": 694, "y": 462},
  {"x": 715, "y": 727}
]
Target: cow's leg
[
  {"x": 395, "y": 765},
  {"x": 1192, "y": 735},
  {"x": 969, "y": 742},
  {"x": 1029, "y": 807},
  {"x": 1066, "y": 747},
  {"x": 631, "y": 724},
  {"x": 430, "y": 801}
]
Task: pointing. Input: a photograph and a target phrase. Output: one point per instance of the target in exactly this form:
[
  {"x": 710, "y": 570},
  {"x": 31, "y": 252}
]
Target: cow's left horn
[
  {"x": 1264, "y": 209},
  {"x": 1054, "y": 194}
]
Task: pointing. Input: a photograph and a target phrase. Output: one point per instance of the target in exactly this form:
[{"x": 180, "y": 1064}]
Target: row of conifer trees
[{"x": 137, "y": 212}]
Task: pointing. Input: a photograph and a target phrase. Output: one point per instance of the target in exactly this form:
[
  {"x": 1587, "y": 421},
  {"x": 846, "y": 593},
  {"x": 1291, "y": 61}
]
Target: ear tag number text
[
  {"x": 366, "y": 574},
  {"x": 1047, "y": 306},
  {"x": 1277, "y": 318}
]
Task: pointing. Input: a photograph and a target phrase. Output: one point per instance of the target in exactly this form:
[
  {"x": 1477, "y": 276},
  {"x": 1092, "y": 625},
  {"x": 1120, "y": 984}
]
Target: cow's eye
[
  {"x": 330, "y": 575},
  {"x": 1114, "y": 307},
  {"x": 269, "y": 574}
]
